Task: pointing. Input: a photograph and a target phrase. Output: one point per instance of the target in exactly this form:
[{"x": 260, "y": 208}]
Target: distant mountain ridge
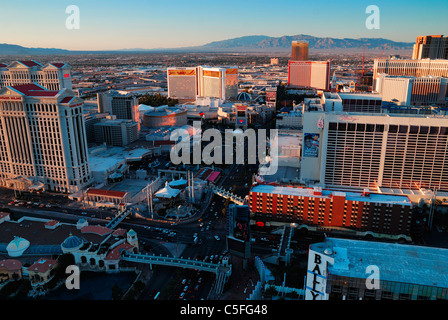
[
  {"x": 13, "y": 49},
  {"x": 315, "y": 43},
  {"x": 255, "y": 43}
]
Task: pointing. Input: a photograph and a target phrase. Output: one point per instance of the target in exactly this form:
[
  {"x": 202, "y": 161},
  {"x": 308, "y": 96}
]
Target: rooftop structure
[
  {"x": 407, "y": 272},
  {"x": 52, "y": 76},
  {"x": 328, "y": 194}
]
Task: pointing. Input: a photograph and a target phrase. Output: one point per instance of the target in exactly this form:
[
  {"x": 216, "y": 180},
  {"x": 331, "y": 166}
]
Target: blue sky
[{"x": 113, "y": 24}]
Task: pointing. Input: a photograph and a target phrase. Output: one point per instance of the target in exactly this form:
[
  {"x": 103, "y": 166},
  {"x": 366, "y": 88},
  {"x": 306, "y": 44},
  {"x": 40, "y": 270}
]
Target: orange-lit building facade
[
  {"x": 431, "y": 47},
  {"x": 384, "y": 214},
  {"x": 309, "y": 74},
  {"x": 193, "y": 82},
  {"x": 299, "y": 51}
]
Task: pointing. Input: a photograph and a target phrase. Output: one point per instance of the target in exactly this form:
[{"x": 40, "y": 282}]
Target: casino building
[
  {"x": 53, "y": 76},
  {"x": 43, "y": 143},
  {"x": 165, "y": 116},
  {"x": 377, "y": 151}
]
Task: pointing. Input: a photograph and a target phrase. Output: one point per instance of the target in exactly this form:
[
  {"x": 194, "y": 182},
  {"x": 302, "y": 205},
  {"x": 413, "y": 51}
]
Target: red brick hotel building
[{"x": 361, "y": 211}]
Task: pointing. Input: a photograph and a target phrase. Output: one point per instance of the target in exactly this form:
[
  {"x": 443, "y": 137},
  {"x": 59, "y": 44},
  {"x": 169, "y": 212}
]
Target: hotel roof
[
  {"x": 34, "y": 90},
  {"x": 396, "y": 262},
  {"x": 107, "y": 193},
  {"x": 11, "y": 264},
  {"x": 42, "y": 265},
  {"x": 38, "y": 235},
  {"x": 352, "y": 196},
  {"x": 29, "y": 63}
]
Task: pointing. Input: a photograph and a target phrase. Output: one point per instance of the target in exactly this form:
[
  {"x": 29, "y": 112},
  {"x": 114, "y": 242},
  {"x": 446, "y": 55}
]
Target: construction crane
[
  {"x": 362, "y": 70},
  {"x": 363, "y": 62}
]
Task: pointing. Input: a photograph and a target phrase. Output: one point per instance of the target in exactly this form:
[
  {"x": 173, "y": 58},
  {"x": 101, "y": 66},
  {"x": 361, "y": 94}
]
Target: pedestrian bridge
[
  {"x": 217, "y": 268},
  {"x": 117, "y": 219},
  {"x": 228, "y": 195}
]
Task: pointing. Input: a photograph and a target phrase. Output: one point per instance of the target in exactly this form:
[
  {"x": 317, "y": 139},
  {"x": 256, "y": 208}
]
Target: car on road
[
  {"x": 217, "y": 238},
  {"x": 184, "y": 281},
  {"x": 185, "y": 288},
  {"x": 182, "y": 295},
  {"x": 84, "y": 213}
]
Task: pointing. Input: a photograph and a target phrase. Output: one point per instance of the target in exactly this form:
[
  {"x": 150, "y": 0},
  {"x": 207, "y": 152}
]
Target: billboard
[
  {"x": 241, "y": 229},
  {"x": 238, "y": 239},
  {"x": 311, "y": 145},
  {"x": 271, "y": 95}
]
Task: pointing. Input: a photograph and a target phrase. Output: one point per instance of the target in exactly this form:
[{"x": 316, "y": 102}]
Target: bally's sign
[{"x": 316, "y": 277}]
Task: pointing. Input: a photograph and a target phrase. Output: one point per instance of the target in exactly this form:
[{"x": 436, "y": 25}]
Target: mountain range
[{"x": 256, "y": 43}]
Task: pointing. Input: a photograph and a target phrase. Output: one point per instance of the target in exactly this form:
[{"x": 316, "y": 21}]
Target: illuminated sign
[
  {"x": 181, "y": 72},
  {"x": 240, "y": 107},
  {"x": 316, "y": 277},
  {"x": 271, "y": 95},
  {"x": 11, "y": 98},
  {"x": 66, "y": 75},
  {"x": 214, "y": 74}
]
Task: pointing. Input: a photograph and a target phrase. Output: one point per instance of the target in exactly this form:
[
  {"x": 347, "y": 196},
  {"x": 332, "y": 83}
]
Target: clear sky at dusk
[{"x": 113, "y": 24}]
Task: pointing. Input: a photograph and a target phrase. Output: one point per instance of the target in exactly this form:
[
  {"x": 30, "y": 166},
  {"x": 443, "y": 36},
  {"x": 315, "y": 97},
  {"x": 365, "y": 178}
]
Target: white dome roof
[
  {"x": 144, "y": 107},
  {"x": 17, "y": 246}
]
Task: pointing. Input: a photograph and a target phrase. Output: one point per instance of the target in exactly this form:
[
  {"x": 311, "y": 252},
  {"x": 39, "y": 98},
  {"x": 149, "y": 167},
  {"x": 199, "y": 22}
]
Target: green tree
[{"x": 156, "y": 100}]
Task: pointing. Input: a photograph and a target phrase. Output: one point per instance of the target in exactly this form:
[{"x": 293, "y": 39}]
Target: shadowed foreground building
[{"x": 341, "y": 269}]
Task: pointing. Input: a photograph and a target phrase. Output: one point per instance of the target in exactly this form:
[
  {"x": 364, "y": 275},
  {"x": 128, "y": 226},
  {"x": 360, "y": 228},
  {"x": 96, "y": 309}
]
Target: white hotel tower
[{"x": 43, "y": 143}]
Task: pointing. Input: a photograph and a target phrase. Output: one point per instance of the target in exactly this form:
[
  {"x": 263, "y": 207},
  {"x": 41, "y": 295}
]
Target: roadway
[{"x": 154, "y": 236}]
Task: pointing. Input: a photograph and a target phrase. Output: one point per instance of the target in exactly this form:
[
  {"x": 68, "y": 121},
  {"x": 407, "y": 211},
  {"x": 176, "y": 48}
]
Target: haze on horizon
[{"x": 152, "y": 24}]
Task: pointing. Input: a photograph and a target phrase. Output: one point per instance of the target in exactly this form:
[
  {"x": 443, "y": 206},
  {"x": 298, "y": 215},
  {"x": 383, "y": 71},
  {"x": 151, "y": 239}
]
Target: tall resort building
[
  {"x": 43, "y": 143},
  {"x": 376, "y": 151},
  {"x": 309, "y": 74},
  {"x": 192, "y": 82},
  {"x": 407, "y": 67},
  {"x": 182, "y": 83},
  {"x": 299, "y": 51},
  {"x": 431, "y": 47}
]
